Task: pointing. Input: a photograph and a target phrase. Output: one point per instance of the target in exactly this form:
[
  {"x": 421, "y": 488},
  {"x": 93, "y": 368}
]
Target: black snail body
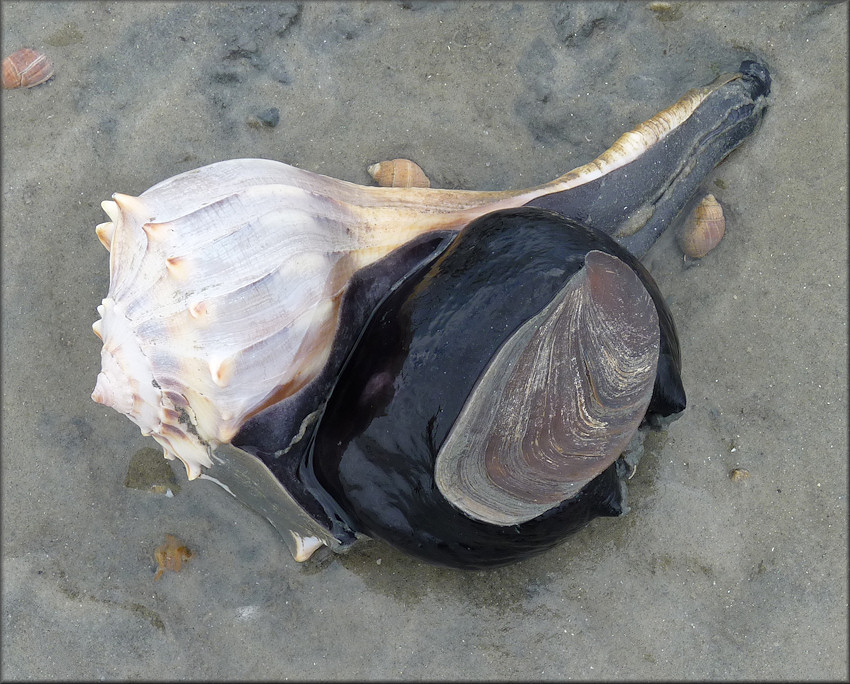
[{"x": 371, "y": 461}]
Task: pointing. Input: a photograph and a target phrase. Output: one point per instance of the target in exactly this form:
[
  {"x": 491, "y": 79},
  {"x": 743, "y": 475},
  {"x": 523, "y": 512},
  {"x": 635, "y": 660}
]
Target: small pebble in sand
[{"x": 170, "y": 555}]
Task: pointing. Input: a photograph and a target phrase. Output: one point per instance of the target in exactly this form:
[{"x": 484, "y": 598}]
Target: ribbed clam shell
[
  {"x": 26, "y": 68},
  {"x": 560, "y": 401},
  {"x": 399, "y": 173}
]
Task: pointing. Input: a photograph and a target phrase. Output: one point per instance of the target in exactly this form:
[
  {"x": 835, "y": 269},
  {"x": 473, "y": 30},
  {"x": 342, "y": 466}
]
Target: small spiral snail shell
[
  {"x": 399, "y": 173},
  {"x": 704, "y": 228},
  {"x": 26, "y": 68}
]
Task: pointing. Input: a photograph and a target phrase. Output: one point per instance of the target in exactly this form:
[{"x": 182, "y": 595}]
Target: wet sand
[{"x": 705, "y": 577}]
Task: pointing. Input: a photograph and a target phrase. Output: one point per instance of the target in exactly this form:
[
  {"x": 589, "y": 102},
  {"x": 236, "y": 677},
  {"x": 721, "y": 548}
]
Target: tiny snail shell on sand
[
  {"x": 171, "y": 555},
  {"x": 26, "y": 68},
  {"x": 738, "y": 474},
  {"x": 399, "y": 173},
  {"x": 703, "y": 229}
]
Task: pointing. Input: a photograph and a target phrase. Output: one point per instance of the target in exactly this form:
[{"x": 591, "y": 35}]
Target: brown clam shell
[
  {"x": 26, "y": 68},
  {"x": 703, "y": 229},
  {"x": 399, "y": 173}
]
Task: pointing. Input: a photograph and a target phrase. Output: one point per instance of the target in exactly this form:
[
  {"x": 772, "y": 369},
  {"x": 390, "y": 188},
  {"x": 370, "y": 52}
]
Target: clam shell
[
  {"x": 704, "y": 228},
  {"x": 26, "y": 68},
  {"x": 399, "y": 173}
]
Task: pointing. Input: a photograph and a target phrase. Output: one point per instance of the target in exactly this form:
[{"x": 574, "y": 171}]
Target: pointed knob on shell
[{"x": 105, "y": 231}]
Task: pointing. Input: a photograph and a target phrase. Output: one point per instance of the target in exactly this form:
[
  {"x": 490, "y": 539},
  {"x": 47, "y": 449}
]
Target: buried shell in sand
[
  {"x": 171, "y": 555},
  {"x": 259, "y": 318},
  {"x": 399, "y": 173}
]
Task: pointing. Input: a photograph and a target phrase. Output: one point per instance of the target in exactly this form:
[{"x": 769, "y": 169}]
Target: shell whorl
[
  {"x": 201, "y": 306},
  {"x": 560, "y": 401}
]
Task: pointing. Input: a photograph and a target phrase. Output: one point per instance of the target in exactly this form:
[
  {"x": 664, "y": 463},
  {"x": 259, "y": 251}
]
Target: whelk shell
[
  {"x": 703, "y": 229},
  {"x": 26, "y": 68},
  {"x": 227, "y": 282},
  {"x": 399, "y": 173}
]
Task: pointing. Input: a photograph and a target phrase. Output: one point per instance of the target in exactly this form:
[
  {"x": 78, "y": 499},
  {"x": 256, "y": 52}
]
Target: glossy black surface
[{"x": 398, "y": 395}]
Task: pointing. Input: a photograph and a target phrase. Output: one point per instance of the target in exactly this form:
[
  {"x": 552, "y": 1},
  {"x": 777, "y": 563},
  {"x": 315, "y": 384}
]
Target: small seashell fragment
[
  {"x": 703, "y": 229},
  {"x": 399, "y": 173},
  {"x": 738, "y": 474},
  {"x": 171, "y": 555},
  {"x": 26, "y": 68}
]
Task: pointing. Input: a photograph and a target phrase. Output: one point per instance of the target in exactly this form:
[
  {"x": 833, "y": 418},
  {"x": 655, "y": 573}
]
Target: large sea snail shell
[
  {"x": 704, "y": 228},
  {"x": 399, "y": 173},
  {"x": 26, "y": 68},
  {"x": 238, "y": 290},
  {"x": 479, "y": 417}
]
